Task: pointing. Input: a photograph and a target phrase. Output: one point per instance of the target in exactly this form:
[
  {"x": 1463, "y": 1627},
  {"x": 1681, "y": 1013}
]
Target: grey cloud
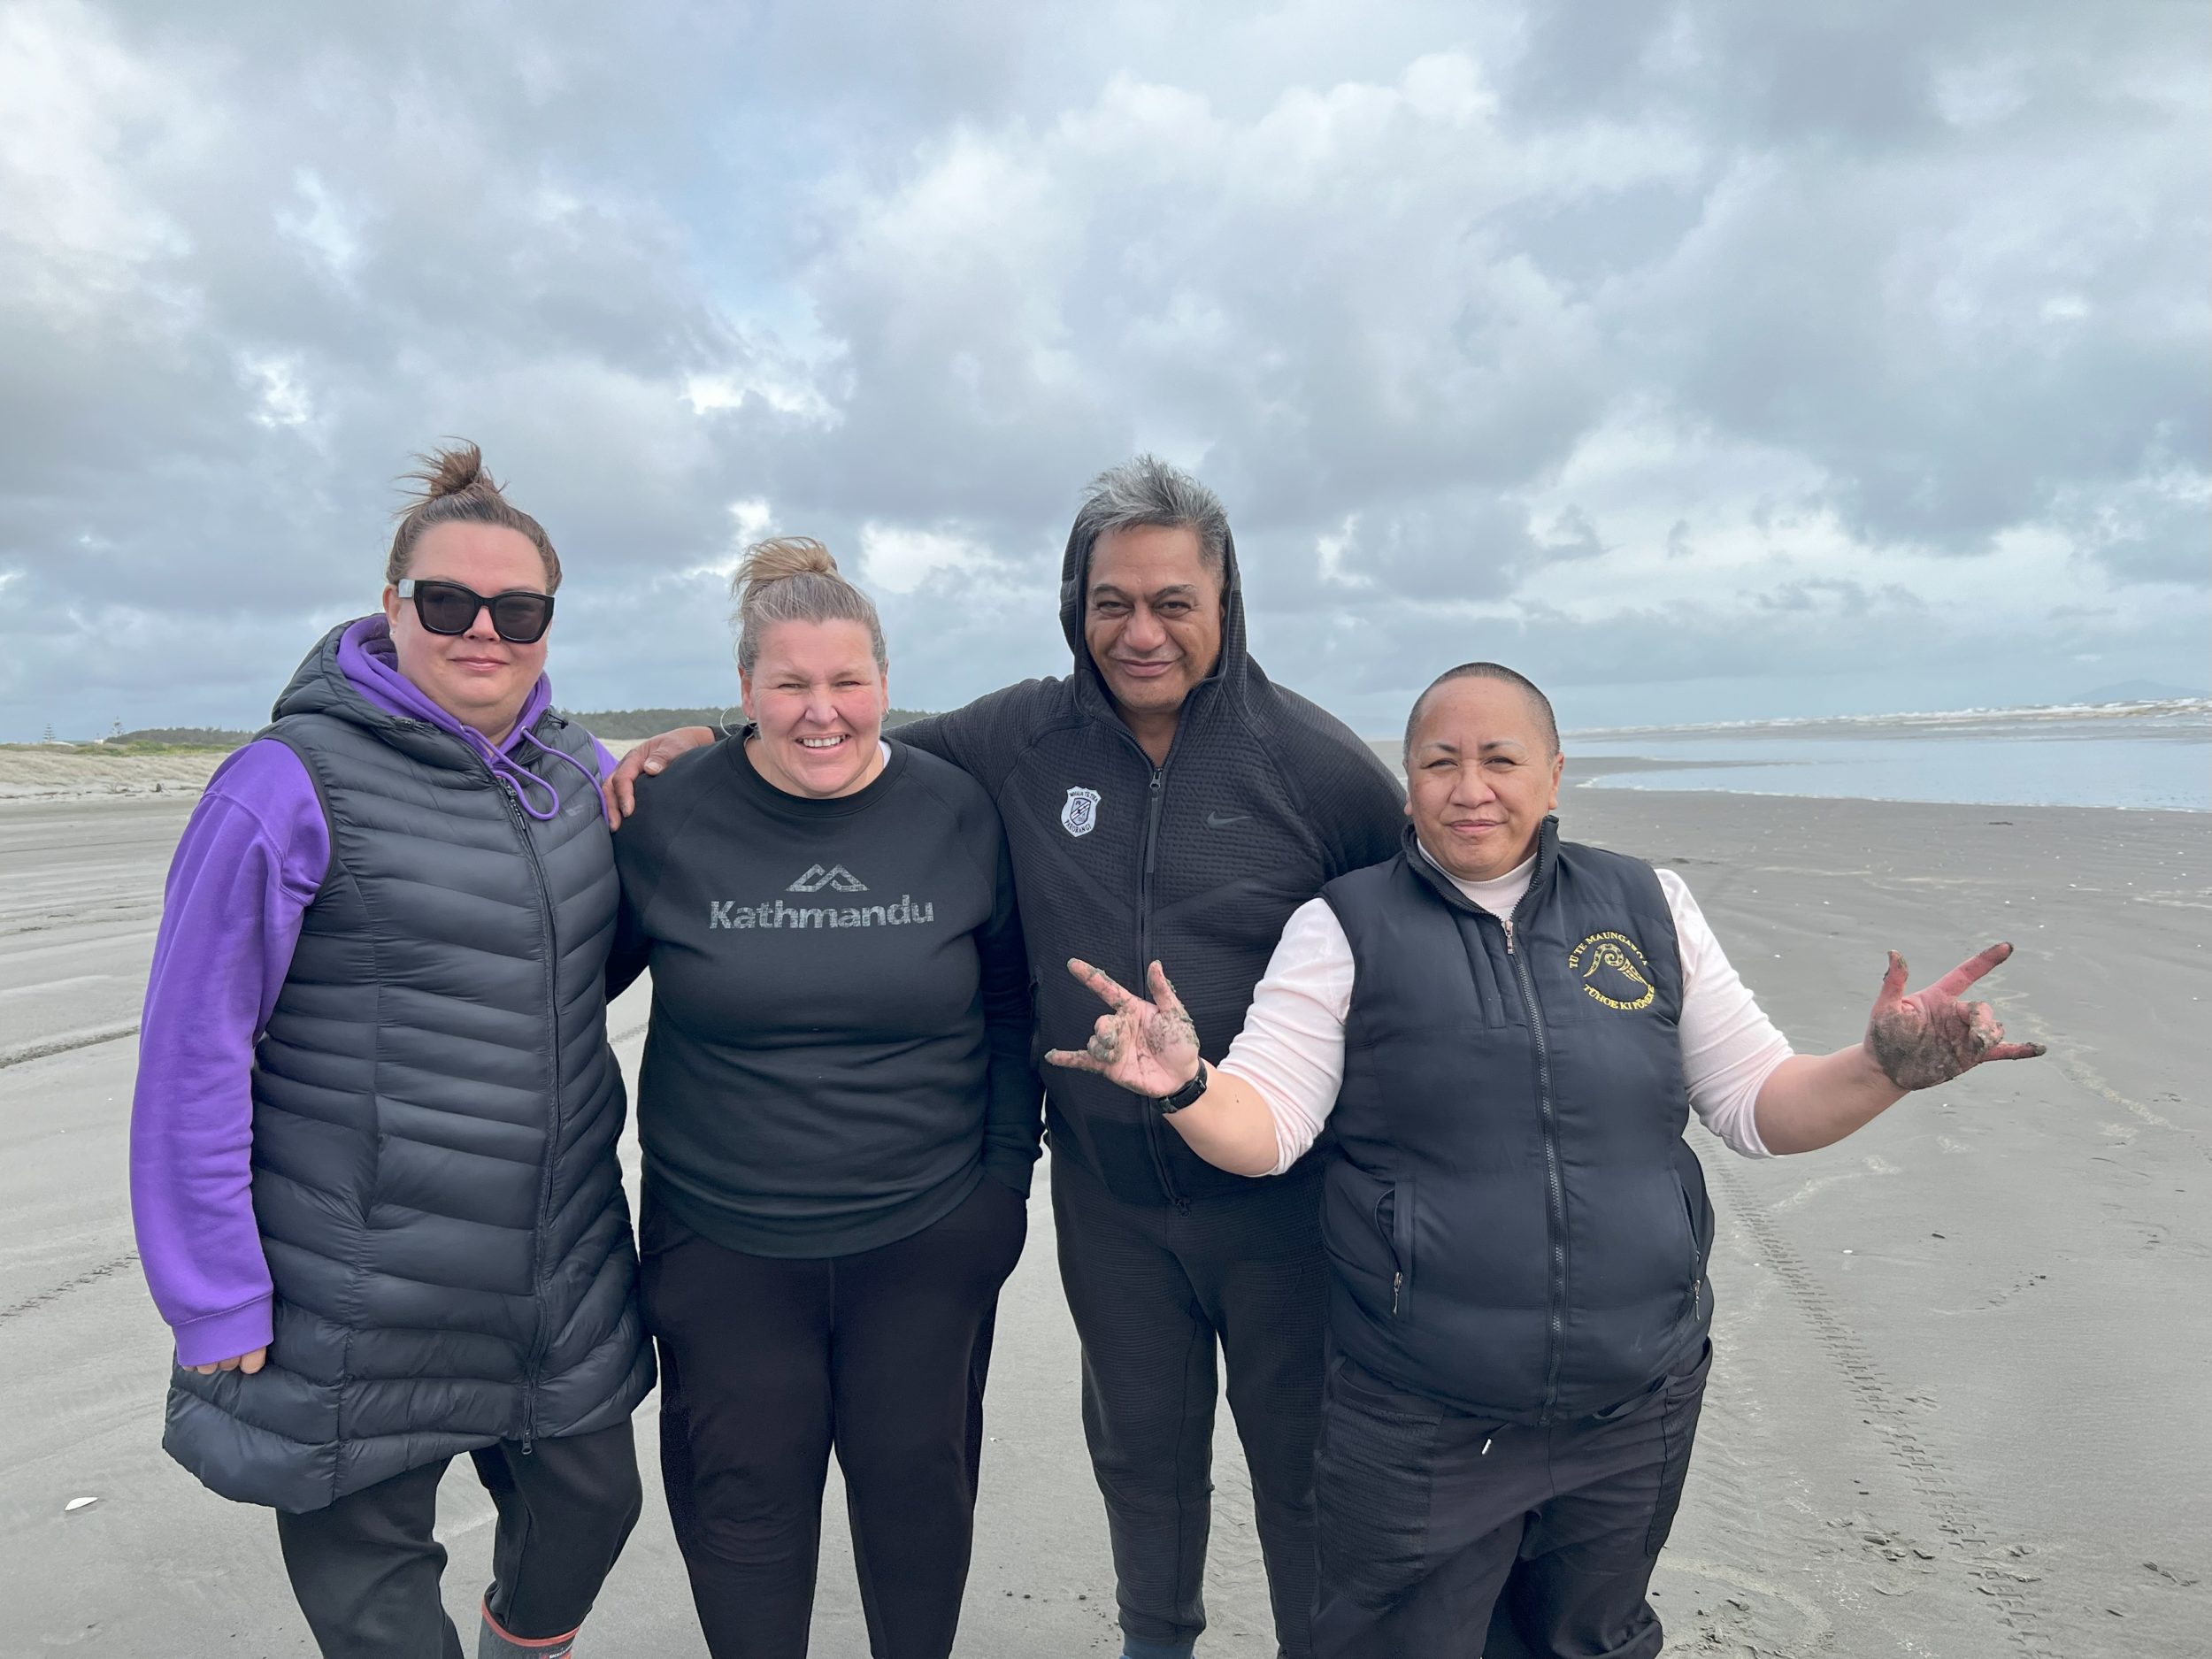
[{"x": 1387, "y": 281}]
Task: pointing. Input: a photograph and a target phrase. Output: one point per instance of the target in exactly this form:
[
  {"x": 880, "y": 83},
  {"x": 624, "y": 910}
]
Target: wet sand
[
  {"x": 1958, "y": 1356},
  {"x": 1955, "y": 1408}
]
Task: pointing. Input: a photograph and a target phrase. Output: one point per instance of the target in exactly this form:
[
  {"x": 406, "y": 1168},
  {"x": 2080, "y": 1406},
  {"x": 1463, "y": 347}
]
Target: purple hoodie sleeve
[{"x": 250, "y": 862}]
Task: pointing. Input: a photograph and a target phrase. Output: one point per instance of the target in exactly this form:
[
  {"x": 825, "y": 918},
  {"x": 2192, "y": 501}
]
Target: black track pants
[
  {"x": 767, "y": 1364},
  {"x": 365, "y": 1568},
  {"x": 1153, "y": 1290},
  {"x": 1447, "y": 1537}
]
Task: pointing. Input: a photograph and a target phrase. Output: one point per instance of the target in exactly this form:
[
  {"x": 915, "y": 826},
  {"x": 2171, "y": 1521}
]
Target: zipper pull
[
  {"x": 1397, "y": 1288},
  {"x": 1509, "y": 935}
]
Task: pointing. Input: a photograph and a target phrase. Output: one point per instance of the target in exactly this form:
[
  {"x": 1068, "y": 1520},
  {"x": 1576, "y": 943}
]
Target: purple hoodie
[{"x": 250, "y": 862}]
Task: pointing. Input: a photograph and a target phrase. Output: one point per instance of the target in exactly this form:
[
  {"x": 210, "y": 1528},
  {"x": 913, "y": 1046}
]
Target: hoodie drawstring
[{"x": 520, "y": 776}]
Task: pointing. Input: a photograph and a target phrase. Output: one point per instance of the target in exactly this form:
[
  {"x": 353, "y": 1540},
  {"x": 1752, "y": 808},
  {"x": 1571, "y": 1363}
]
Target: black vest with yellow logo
[{"x": 1515, "y": 1224}]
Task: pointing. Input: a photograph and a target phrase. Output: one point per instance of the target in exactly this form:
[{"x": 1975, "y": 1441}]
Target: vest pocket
[
  {"x": 1394, "y": 1219},
  {"x": 1693, "y": 1298}
]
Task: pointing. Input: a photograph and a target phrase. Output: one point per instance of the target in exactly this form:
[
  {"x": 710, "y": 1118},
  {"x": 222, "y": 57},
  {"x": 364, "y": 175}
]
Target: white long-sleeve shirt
[{"x": 1292, "y": 1046}]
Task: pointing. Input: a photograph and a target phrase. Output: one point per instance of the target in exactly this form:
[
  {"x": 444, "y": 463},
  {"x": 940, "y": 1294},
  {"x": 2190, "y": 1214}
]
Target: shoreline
[
  {"x": 1583, "y": 775},
  {"x": 1594, "y": 782}
]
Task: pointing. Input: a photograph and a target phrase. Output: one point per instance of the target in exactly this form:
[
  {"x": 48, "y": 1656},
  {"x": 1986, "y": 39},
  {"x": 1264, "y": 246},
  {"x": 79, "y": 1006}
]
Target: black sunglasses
[{"x": 518, "y": 616}]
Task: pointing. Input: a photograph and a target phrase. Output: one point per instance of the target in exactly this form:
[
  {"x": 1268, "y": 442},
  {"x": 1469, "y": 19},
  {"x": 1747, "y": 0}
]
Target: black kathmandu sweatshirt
[
  {"x": 1198, "y": 863},
  {"x": 840, "y": 1041}
]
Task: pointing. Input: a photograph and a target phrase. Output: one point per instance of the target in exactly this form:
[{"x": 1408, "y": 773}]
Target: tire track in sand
[
  {"x": 2071, "y": 1059},
  {"x": 90, "y": 1276},
  {"x": 23, "y": 1054},
  {"x": 1953, "y": 1514}
]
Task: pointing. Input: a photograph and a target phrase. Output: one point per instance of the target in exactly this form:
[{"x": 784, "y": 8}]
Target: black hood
[
  {"x": 1197, "y": 861},
  {"x": 1232, "y": 671}
]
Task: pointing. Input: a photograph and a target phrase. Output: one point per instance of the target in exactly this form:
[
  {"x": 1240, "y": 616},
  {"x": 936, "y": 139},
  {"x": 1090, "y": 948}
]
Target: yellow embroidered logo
[{"x": 1613, "y": 972}]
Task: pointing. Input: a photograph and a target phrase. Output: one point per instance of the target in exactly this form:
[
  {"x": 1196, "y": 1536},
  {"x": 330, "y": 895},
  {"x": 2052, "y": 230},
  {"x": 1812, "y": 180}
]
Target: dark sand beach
[{"x": 1956, "y": 1409}]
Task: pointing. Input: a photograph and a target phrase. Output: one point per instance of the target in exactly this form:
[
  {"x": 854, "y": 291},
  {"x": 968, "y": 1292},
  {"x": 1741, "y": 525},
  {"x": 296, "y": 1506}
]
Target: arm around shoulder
[
  {"x": 983, "y": 737},
  {"x": 1357, "y": 808}
]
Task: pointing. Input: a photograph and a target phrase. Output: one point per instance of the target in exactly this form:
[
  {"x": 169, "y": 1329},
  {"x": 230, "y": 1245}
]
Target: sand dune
[
  {"x": 63, "y": 771},
  {"x": 57, "y": 772}
]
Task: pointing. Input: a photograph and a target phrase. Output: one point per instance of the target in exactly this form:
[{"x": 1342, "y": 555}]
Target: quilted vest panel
[
  {"x": 1515, "y": 1224},
  {"x": 435, "y": 1113}
]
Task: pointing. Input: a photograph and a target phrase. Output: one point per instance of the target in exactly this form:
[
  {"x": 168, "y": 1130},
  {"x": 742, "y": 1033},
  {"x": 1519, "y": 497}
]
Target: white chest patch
[{"x": 1079, "y": 815}]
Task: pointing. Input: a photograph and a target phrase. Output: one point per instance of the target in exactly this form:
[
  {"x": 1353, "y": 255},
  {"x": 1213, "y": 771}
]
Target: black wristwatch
[{"x": 1166, "y": 1104}]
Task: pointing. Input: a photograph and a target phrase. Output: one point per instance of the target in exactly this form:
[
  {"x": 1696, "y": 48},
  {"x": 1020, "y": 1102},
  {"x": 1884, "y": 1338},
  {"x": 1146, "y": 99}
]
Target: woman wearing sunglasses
[
  {"x": 839, "y": 1115},
  {"x": 372, "y": 1146}
]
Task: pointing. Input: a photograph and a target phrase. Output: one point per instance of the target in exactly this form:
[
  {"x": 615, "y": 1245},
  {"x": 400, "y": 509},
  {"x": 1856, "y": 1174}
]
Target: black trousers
[
  {"x": 767, "y": 1364},
  {"x": 1154, "y": 1290},
  {"x": 366, "y": 1568},
  {"x": 1447, "y": 1537}
]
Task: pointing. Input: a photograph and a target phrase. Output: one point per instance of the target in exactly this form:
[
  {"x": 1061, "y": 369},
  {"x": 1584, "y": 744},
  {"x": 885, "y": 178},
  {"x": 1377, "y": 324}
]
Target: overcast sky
[{"x": 1705, "y": 360}]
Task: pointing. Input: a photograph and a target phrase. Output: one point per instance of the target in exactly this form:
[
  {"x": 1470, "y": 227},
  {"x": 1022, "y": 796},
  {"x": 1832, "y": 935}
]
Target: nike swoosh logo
[{"x": 1219, "y": 820}]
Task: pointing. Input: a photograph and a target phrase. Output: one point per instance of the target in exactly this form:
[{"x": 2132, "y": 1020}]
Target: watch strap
[{"x": 1183, "y": 1096}]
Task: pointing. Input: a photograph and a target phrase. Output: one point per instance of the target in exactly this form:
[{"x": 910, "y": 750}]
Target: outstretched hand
[
  {"x": 1147, "y": 1048},
  {"x": 1929, "y": 1037}
]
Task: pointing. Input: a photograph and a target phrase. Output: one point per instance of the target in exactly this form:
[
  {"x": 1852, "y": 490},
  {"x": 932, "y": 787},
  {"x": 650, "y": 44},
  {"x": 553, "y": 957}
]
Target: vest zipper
[
  {"x": 1153, "y": 1127},
  {"x": 553, "y": 1119},
  {"x": 1555, "y": 1187}
]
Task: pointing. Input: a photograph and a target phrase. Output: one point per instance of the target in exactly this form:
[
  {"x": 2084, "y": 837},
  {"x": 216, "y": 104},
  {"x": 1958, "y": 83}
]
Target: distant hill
[
  {"x": 178, "y": 737},
  {"x": 2139, "y": 691},
  {"x": 636, "y": 723},
  {"x": 609, "y": 723}
]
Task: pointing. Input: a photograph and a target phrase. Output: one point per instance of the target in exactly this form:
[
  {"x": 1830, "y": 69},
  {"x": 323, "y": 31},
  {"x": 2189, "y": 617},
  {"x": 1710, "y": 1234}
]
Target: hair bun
[
  {"x": 784, "y": 557},
  {"x": 451, "y": 487},
  {"x": 794, "y": 578},
  {"x": 456, "y": 470}
]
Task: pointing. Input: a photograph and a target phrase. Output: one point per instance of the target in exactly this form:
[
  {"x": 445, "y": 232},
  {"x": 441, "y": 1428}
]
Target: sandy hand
[
  {"x": 1929, "y": 1037},
  {"x": 650, "y": 757},
  {"x": 1147, "y": 1048}
]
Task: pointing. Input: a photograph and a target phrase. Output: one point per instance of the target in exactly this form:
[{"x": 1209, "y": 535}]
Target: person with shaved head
[{"x": 1507, "y": 1033}]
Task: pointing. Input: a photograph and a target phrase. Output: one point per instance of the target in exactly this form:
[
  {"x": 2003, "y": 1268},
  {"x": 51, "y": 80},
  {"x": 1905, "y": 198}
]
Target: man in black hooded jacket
[{"x": 1167, "y": 800}]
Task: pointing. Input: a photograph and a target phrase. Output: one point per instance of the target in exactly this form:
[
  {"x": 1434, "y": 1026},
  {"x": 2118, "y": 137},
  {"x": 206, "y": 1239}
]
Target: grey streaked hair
[
  {"x": 794, "y": 578},
  {"x": 1145, "y": 490},
  {"x": 1537, "y": 701}
]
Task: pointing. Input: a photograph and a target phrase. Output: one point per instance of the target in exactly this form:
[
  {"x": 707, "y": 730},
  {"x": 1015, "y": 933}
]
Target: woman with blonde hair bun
[{"x": 839, "y": 1113}]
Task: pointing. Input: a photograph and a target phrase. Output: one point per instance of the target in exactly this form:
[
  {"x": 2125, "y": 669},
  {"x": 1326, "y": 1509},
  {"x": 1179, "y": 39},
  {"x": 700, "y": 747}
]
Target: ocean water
[{"x": 2134, "y": 755}]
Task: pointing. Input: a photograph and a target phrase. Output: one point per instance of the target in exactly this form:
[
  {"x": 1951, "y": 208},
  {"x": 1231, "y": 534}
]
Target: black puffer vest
[
  {"x": 435, "y": 1109},
  {"x": 1515, "y": 1225}
]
